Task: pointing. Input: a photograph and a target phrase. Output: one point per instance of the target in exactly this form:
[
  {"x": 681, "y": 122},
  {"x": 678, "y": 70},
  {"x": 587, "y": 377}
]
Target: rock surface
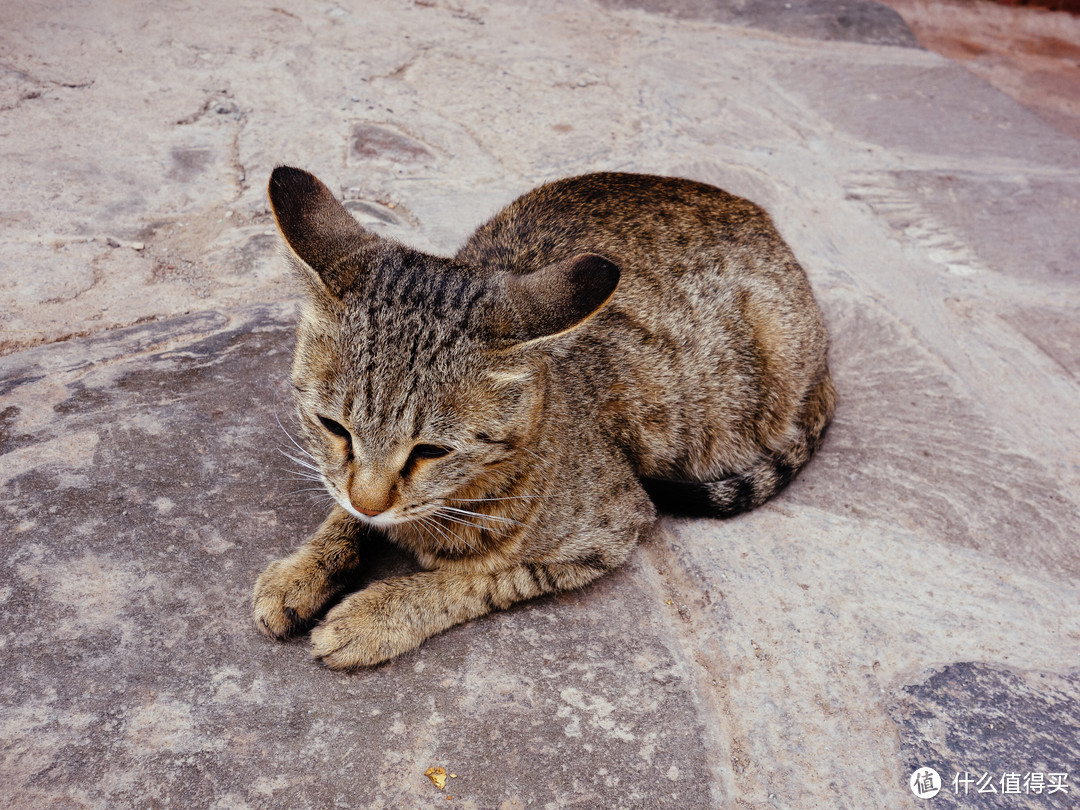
[
  {"x": 909, "y": 602},
  {"x": 1032, "y": 54}
]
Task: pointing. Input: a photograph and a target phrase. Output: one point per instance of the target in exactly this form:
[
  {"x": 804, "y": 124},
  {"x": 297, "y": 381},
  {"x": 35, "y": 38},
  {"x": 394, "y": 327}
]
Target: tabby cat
[{"x": 514, "y": 416}]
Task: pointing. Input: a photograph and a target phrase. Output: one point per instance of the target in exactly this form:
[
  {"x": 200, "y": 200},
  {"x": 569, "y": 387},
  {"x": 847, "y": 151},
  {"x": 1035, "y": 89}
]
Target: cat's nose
[{"x": 370, "y": 491}]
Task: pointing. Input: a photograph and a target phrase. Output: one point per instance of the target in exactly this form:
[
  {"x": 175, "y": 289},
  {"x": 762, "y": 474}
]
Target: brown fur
[{"x": 505, "y": 415}]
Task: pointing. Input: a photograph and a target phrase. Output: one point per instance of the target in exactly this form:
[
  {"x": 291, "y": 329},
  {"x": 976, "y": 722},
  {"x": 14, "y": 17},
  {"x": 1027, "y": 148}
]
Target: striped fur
[
  {"x": 750, "y": 487},
  {"x": 511, "y": 415}
]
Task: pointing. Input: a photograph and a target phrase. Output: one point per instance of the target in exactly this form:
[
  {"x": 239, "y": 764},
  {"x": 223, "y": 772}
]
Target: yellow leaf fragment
[{"x": 437, "y": 776}]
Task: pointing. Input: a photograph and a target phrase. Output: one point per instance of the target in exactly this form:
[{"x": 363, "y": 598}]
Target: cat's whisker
[
  {"x": 426, "y": 532},
  {"x": 298, "y": 474},
  {"x": 453, "y": 538},
  {"x": 315, "y": 493},
  {"x": 296, "y": 444},
  {"x": 299, "y": 461},
  {"x": 499, "y": 530},
  {"x": 481, "y": 515},
  {"x": 444, "y": 513},
  {"x": 433, "y": 524},
  {"x": 309, "y": 465},
  {"x": 465, "y": 540},
  {"x": 464, "y": 521},
  {"x": 532, "y": 453},
  {"x": 505, "y": 498}
]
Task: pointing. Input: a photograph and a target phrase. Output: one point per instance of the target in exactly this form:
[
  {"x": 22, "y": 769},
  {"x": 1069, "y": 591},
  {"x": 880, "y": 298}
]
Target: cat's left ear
[
  {"x": 318, "y": 229},
  {"x": 556, "y": 298}
]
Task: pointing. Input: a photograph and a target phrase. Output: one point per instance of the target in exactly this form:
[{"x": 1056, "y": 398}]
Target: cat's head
[{"x": 419, "y": 380}]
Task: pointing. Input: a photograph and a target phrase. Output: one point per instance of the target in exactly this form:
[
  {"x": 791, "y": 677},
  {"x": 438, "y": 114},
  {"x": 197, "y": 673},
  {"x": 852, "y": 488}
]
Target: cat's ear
[
  {"x": 558, "y": 297},
  {"x": 318, "y": 229}
]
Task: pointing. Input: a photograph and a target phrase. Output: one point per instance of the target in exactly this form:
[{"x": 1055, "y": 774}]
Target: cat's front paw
[
  {"x": 367, "y": 628},
  {"x": 288, "y": 596}
]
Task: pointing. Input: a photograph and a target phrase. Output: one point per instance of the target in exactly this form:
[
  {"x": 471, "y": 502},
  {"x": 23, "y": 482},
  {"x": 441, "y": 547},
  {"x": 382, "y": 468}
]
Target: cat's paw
[
  {"x": 288, "y": 596},
  {"x": 367, "y": 628}
]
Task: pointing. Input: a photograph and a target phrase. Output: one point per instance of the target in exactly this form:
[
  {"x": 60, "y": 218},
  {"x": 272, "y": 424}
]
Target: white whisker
[
  {"x": 299, "y": 474},
  {"x": 427, "y": 533},
  {"x": 480, "y": 515},
  {"x": 463, "y": 522},
  {"x": 299, "y": 461},
  {"x": 289, "y": 435},
  {"x": 449, "y": 538},
  {"x": 532, "y": 453},
  {"x": 434, "y": 526},
  {"x": 505, "y": 498}
]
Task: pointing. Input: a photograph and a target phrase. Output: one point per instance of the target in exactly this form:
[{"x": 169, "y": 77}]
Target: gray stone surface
[
  {"x": 919, "y": 581},
  {"x": 142, "y": 681},
  {"x": 973, "y": 713},
  {"x": 853, "y": 21}
]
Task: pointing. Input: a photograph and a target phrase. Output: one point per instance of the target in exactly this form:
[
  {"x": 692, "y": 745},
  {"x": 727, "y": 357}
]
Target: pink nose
[{"x": 370, "y": 512}]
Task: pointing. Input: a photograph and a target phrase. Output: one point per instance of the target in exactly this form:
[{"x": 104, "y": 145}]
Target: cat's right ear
[
  {"x": 554, "y": 299},
  {"x": 318, "y": 229}
]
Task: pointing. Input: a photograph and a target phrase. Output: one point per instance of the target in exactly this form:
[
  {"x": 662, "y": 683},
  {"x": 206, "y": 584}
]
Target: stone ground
[
  {"x": 911, "y": 600},
  {"x": 1030, "y": 54}
]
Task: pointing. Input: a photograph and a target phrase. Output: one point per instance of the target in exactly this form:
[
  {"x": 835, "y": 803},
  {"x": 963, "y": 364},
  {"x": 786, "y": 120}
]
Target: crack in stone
[
  {"x": 97, "y": 277},
  {"x": 223, "y": 104}
]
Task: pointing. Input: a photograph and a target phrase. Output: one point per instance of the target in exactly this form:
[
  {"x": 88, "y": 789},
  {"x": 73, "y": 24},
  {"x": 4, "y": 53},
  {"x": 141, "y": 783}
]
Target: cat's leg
[
  {"x": 290, "y": 592},
  {"x": 393, "y": 616}
]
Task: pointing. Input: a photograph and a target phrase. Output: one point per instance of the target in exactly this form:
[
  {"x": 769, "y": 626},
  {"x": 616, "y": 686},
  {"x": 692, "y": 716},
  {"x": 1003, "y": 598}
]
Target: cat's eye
[
  {"x": 336, "y": 428},
  {"x": 428, "y": 451}
]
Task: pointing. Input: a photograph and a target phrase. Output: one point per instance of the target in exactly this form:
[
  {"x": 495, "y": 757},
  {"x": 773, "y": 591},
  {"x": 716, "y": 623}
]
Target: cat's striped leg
[
  {"x": 395, "y": 615},
  {"x": 290, "y": 592}
]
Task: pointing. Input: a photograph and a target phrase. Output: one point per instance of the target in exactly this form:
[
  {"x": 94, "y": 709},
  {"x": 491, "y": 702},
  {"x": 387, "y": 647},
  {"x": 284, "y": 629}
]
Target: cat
[{"x": 605, "y": 346}]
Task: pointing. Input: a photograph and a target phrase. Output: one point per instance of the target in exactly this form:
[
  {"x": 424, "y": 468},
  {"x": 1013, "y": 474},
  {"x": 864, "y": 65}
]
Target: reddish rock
[{"x": 1030, "y": 53}]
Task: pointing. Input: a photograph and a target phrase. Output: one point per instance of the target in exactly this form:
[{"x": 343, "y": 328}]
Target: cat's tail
[{"x": 764, "y": 478}]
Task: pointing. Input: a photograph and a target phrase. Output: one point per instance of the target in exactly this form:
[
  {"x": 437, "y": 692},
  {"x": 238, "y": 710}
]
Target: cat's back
[
  {"x": 631, "y": 218},
  {"x": 691, "y": 256},
  {"x": 712, "y": 338}
]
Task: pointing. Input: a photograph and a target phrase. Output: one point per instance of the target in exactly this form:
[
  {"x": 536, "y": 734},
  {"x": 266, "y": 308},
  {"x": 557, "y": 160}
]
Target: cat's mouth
[{"x": 385, "y": 518}]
